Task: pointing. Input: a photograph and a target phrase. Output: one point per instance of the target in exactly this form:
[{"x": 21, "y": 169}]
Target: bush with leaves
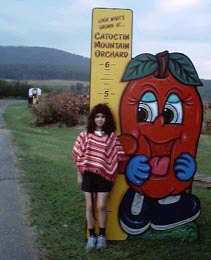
[
  {"x": 84, "y": 107},
  {"x": 65, "y": 107},
  {"x": 17, "y": 89},
  {"x": 206, "y": 127},
  {"x": 13, "y": 89}
]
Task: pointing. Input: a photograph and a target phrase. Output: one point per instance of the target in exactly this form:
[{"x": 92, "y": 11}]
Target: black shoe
[
  {"x": 134, "y": 214},
  {"x": 174, "y": 211}
]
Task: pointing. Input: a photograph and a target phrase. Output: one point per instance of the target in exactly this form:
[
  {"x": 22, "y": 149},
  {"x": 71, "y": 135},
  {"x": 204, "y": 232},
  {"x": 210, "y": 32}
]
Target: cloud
[
  {"x": 198, "y": 52},
  {"x": 177, "y": 5},
  {"x": 193, "y": 23},
  {"x": 176, "y": 25}
]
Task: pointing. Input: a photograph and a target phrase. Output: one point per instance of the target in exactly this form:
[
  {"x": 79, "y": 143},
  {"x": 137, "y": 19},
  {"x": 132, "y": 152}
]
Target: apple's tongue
[{"x": 159, "y": 165}]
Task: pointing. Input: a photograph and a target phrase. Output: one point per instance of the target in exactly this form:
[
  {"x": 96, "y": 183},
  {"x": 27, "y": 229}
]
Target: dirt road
[{"x": 15, "y": 236}]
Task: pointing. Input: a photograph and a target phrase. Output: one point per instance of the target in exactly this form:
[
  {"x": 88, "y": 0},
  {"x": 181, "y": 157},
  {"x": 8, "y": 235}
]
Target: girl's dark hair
[{"x": 109, "y": 125}]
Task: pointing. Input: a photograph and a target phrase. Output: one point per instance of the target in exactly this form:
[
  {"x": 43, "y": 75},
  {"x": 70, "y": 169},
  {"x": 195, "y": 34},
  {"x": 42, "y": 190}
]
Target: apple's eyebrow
[
  {"x": 188, "y": 101},
  {"x": 133, "y": 100}
]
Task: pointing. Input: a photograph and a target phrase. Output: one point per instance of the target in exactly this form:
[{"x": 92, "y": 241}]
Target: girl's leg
[
  {"x": 101, "y": 206},
  {"x": 89, "y": 210},
  {"x": 92, "y": 240}
]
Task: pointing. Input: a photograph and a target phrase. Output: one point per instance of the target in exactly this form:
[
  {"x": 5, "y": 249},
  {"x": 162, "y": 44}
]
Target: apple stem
[{"x": 162, "y": 59}]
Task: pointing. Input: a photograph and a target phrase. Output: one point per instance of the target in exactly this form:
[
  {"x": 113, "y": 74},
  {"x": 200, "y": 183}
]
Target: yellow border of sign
[{"x": 111, "y": 50}]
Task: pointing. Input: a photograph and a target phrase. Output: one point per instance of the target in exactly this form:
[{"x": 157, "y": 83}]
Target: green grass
[
  {"x": 57, "y": 204},
  {"x": 204, "y": 155}
]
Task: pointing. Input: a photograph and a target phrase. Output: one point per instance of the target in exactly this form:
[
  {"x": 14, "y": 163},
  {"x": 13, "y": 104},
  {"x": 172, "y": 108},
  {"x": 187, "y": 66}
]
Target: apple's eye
[
  {"x": 147, "y": 109},
  {"x": 173, "y": 110}
]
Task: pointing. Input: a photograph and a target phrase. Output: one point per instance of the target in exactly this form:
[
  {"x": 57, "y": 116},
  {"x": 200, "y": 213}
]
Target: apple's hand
[
  {"x": 138, "y": 170},
  {"x": 185, "y": 166}
]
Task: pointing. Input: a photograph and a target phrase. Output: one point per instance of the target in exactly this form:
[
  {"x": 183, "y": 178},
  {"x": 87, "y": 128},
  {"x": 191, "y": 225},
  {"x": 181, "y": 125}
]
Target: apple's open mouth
[{"x": 160, "y": 158}]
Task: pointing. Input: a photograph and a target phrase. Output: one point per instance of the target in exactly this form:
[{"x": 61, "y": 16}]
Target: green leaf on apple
[
  {"x": 140, "y": 67},
  {"x": 183, "y": 69}
]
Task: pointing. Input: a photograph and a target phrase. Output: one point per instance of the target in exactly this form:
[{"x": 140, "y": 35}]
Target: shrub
[
  {"x": 84, "y": 107},
  {"x": 16, "y": 88},
  {"x": 65, "y": 107},
  {"x": 206, "y": 128},
  {"x": 13, "y": 89}
]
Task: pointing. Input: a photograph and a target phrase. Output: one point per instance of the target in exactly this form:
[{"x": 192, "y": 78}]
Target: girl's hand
[{"x": 80, "y": 179}]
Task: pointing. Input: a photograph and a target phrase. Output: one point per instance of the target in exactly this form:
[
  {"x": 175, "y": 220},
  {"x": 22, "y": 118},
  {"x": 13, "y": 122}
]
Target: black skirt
[{"x": 95, "y": 183}]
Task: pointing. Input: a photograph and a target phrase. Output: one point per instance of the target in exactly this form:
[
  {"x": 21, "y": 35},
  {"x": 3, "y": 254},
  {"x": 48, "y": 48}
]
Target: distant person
[
  {"x": 30, "y": 98},
  {"x": 34, "y": 96},
  {"x": 96, "y": 153}
]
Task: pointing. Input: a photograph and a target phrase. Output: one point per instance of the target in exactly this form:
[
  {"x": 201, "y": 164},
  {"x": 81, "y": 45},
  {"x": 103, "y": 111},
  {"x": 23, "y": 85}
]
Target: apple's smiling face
[{"x": 165, "y": 117}]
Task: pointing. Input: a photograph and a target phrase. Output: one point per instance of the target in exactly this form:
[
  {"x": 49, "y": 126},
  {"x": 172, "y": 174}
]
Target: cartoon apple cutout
[{"x": 161, "y": 111}]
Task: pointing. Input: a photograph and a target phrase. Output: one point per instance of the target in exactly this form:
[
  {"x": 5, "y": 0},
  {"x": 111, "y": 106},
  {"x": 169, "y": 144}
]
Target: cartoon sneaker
[
  {"x": 174, "y": 211},
  {"x": 91, "y": 243},
  {"x": 134, "y": 213}
]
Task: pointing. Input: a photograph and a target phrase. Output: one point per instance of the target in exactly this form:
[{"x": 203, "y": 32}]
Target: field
[
  {"x": 15, "y": 88},
  {"x": 57, "y": 206},
  {"x": 56, "y": 83}
]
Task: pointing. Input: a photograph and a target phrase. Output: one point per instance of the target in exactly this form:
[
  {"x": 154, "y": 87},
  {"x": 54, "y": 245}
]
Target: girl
[{"x": 96, "y": 154}]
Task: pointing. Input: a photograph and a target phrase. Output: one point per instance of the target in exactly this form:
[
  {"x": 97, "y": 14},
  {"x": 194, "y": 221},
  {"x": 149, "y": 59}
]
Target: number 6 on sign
[{"x": 107, "y": 64}]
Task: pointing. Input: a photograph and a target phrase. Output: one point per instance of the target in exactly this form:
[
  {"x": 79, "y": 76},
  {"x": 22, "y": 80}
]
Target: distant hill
[
  {"x": 39, "y": 63},
  {"x": 205, "y": 91}
]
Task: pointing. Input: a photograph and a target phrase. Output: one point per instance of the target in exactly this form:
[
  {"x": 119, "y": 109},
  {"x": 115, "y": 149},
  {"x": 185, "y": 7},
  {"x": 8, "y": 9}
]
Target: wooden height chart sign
[{"x": 110, "y": 54}]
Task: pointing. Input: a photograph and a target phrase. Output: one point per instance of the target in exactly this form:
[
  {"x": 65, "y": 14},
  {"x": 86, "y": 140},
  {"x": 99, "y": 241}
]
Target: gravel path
[
  {"x": 202, "y": 181},
  {"x": 15, "y": 235}
]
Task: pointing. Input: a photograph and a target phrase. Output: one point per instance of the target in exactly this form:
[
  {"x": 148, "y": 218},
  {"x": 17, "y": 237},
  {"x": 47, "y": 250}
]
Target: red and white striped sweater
[{"x": 98, "y": 154}]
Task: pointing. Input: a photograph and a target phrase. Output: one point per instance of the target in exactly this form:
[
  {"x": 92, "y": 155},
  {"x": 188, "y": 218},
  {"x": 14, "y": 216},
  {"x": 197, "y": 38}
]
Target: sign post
[{"x": 110, "y": 54}]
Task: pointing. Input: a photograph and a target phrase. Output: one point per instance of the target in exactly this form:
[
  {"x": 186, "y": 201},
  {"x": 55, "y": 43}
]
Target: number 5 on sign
[{"x": 110, "y": 54}]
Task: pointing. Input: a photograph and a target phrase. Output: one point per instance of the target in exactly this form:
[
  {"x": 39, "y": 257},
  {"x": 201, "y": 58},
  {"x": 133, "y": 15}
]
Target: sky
[{"x": 174, "y": 25}]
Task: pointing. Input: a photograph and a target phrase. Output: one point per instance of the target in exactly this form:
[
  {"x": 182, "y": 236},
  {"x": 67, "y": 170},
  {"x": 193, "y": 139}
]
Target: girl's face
[{"x": 99, "y": 121}]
